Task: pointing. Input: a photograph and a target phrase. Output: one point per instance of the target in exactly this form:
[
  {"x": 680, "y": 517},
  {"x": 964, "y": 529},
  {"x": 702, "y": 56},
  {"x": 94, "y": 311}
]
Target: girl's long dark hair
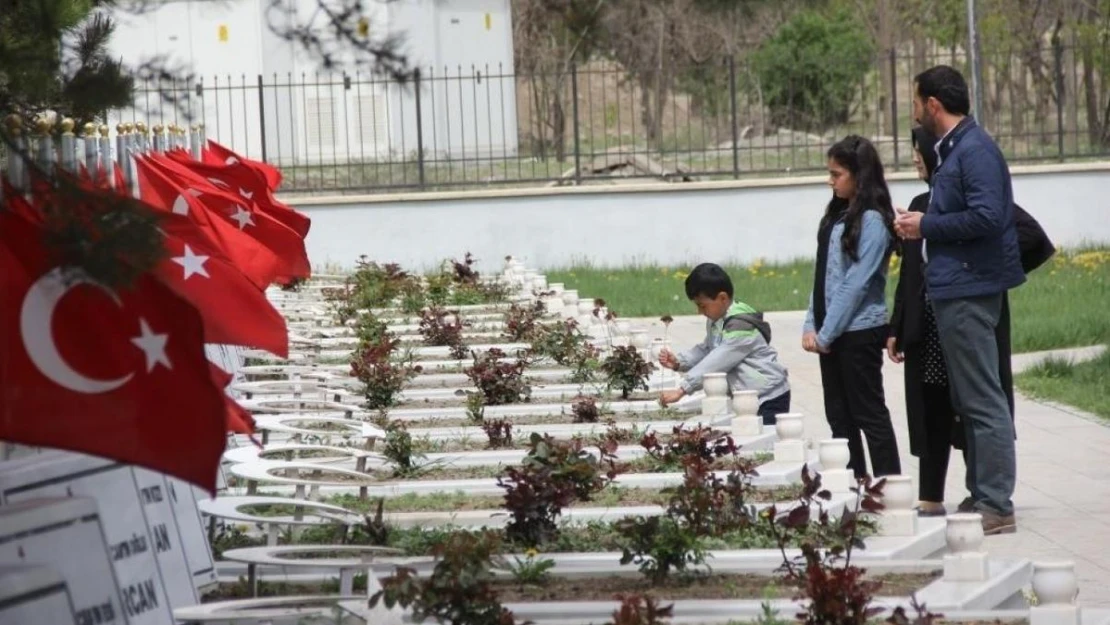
[{"x": 860, "y": 158}]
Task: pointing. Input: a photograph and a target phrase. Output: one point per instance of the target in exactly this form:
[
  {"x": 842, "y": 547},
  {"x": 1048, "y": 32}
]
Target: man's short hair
[
  {"x": 947, "y": 85},
  {"x": 708, "y": 280}
]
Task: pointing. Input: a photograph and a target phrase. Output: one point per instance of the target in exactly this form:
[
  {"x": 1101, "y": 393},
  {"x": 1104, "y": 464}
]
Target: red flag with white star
[
  {"x": 119, "y": 373},
  {"x": 234, "y": 311}
]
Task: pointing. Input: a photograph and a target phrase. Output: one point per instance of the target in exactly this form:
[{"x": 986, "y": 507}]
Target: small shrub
[
  {"x": 499, "y": 432},
  {"x": 475, "y": 408},
  {"x": 383, "y": 379},
  {"x": 522, "y": 322},
  {"x": 443, "y": 328},
  {"x": 659, "y": 545},
  {"x": 399, "y": 450},
  {"x": 376, "y": 285},
  {"x": 499, "y": 382},
  {"x": 585, "y": 410},
  {"x": 531, "y": 571},
  {"x": 552, "y": 475},
  {"x": 340, "y": 301},
  {"x": 709, "y": 505},
  {"x": 413, "y": 297},
  {"x": 641, "y": 610},
  {"x": 699, "y": 441},
  {"x": 626, "y": 369},
  {"x": 565, "y": 344},
  {"x": 836, "y": 594},
  {"x": 370, "y": 331},
  {"x": 460, "y": 588}
]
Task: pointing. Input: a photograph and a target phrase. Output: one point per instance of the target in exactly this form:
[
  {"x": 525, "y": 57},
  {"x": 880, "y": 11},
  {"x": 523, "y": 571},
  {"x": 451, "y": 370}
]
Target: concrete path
[{"x": 1063, "y": 494}]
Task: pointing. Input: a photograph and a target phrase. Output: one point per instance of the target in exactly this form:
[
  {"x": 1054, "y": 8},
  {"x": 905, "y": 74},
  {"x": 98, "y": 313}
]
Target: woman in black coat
[{"x": 933, "y": 424}]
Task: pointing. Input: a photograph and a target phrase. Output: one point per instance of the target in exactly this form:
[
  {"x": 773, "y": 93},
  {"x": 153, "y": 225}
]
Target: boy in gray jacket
[{"x": 737, "y": 343}]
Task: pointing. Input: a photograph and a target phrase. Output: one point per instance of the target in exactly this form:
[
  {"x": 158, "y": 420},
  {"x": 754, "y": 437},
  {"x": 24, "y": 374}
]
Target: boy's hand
[
  {"x": 668, "y": 359},
  {"x": 892, "y": 352},
  {"x": 667, "y": 398}
]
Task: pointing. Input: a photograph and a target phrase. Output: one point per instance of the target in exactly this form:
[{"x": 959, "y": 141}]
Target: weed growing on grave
[
  {"x": 659, "y": 545},
  {"x": 641, "y": 610},
  {"x": 382, "y": 377},
  {"x": 475, "y": 408},
  {"x": 522, "y": 321},
  {"x": 836, "y": 594},
  {"x": 413, "y": 297},
  {"x": 499, "y": 432},
  {"x": 585, "y": 409},
  {"x": 626, "y": 369},
  {"x": 565, "y": 344},
  {"x": 370, "y": 331},
  {"x": 552, "y": 475},
  {"x": 444, "y": 328},
  {"x": 399, "y": 450},
  {"x": 499, "y": 382},
  {"x": 373, "y": 285},
  {"x": 531, "y": 571},
  {"x": 460, "y": 589}
]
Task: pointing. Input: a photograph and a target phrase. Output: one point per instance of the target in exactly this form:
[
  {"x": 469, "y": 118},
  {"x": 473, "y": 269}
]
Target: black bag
[{"x": 1035, "y": 246}]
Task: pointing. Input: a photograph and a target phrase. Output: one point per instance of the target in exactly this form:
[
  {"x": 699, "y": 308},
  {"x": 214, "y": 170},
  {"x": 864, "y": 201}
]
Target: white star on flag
[
  {"x": 153, "y": 346},
  {"x": 181, "y": 205},
  {"x": 192, "y": 263},
  {"x": 243, "y": 216}
]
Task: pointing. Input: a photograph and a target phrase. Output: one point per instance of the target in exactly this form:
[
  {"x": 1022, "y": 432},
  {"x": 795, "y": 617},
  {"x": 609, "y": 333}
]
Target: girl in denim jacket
[{"x": 847, "y": 318}]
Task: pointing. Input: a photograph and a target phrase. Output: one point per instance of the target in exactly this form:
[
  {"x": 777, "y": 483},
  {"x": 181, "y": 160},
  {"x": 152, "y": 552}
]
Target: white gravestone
[
  {"x": 34, "y": 594},
  {"x": 66, "y": 535},
  {"x": 198, "y": 553},
  {"x": 131, "y": 544},
  {"x": 169, "y": 546}
]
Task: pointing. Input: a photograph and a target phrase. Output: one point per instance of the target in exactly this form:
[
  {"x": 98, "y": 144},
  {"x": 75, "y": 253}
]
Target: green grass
[
  {"x": 1082, "y": 385},
  {"x": 653, "y": 291},
  {"x": 1062, "y": 304}
]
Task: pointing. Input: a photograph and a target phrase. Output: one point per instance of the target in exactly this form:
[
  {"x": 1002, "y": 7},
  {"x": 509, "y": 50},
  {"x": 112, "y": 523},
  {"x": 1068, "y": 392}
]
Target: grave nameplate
[
  {"x": 128, "y": 534},
  {"x": 165, "y": 533},
  {"x": 194, "y": 535},
  {"x": 34, "y": 594},
  {"x": 66, "y": 535}
]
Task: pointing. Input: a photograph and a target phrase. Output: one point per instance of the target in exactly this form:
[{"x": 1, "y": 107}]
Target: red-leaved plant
[
  {"x": 641, "y": 610},
  {"x": 626, "y": 369},
  {"x": 699, "y": 440},
  {"x": 521, "y": 322},
  {"x": 498, "y": 381},
  {"x": 499, "y": 432},
  {"x": 552, "y": 475},
  {"x": 443, "y": 328},
  {"x": 382, "y": 377},
  {"x": 836, "y": 591}
]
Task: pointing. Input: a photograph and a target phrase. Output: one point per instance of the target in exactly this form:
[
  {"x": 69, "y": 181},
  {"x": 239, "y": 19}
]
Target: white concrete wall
[{"x": 658, "y": 223}]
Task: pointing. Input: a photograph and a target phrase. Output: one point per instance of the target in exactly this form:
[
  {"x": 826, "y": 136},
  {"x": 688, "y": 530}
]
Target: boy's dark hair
[
  {"x": 708, "y": 280},
  {"x": 947, "y": 85}
]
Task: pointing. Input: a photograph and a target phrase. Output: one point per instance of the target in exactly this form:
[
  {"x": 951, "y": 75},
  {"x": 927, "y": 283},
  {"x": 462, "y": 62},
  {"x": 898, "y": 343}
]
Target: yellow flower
[{"x": 531, "y": 553}]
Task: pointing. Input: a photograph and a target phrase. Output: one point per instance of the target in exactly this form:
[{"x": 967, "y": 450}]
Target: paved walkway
[{"x": 1063, "y": 494}]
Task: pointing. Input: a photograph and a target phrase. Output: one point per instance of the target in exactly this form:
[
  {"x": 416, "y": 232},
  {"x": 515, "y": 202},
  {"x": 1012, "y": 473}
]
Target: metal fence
[{"x": 484, "y": 127}]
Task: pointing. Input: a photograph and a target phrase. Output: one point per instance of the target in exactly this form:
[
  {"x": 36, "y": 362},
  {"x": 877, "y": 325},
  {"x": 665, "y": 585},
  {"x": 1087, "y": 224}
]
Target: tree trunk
[
  {"x": 1090, "y": 86},
  {"x": 559, "y": 127},
  {"x": 886, "y": 48},
  {"x": 1071, "y": 107}
]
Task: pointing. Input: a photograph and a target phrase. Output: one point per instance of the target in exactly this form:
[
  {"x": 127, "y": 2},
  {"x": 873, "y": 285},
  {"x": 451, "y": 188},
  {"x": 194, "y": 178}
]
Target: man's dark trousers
[{"x": 967, "y": 335}]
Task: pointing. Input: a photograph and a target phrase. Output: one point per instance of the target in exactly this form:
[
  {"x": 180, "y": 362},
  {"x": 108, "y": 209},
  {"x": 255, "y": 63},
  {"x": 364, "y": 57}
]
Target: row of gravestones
[{"x": 85, "y": 540}]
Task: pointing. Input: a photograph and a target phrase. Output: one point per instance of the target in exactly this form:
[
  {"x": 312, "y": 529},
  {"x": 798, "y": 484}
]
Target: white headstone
[
  {"x": 34, "y": 594},
  {"x": 67, "y": 536},
  {"x": 194, "y": 535},
  {"x": 169, "y": 546},
  {"x": 129, "y": 536}
]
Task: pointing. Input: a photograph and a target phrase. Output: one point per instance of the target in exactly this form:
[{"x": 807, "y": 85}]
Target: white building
[{"x": 304, "y": 114}]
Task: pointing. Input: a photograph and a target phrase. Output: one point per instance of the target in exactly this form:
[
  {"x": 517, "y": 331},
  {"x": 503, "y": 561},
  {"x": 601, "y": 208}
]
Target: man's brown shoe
[
  {"x": 994, "y": 524},
  {"x": 967, "y": 505}
]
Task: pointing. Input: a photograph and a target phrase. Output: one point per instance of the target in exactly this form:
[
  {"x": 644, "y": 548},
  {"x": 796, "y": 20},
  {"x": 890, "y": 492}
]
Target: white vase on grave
[
  {"x": 789, "y": 426},
  {"x": 570, "y": 297},
  {"x": 657, "y": 348},
  {"x": 833, "y": 454},
  {"x": 964, "y": 532},
  {"x": 539, "y": 283},
  {"x": 898, "y": 492},
  {"x": 623, "y": 326},
  {"x": 638, "y": 338},
  {"x": 557, "y": 288},
  {"x": 585, "y": 308},
  {"x": 745, "y": 403},
  {"x": 1055, "y": 583},
  {"x": 715, "y": 384}
]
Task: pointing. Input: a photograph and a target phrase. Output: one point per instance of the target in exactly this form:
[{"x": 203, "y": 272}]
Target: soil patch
[{"x": 711, "y": 586}]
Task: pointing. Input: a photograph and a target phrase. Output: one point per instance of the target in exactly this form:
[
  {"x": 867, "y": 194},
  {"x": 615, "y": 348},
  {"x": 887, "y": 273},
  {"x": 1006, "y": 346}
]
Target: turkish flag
[
  {"x": 236, "y": 209},
  {"x": 216, "y": 154},
  {"x": 239, "y": 178},
  {"x": 238, "y": 419},
  {"x": 235, "y": 311},
  {"x": 119, "y": 373},
  {"x": 253, "y": 258}
]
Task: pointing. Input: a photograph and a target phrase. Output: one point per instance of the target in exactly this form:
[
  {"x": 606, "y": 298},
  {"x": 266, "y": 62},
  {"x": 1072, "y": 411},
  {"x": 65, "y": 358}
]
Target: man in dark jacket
[{"x": 972, "y": 258}]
